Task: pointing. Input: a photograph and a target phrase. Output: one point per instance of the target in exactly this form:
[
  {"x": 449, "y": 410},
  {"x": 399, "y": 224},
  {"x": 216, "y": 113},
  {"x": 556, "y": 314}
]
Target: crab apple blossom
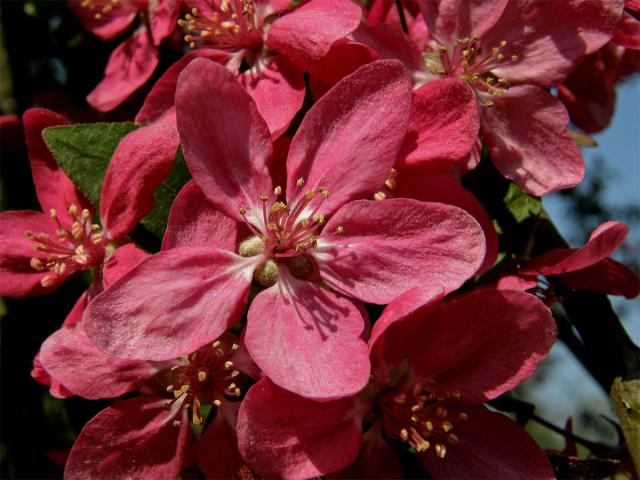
[
  {"x": 150, "y": 435},
  {"x": 425, "y": 395},
  {"x": 269, "y": 53},
  {"x": 41, "y": 250},
  {"x": 134, "y": 60},
  {"x": 304, "y": 336},
  {"x": 586, "y": 268}
]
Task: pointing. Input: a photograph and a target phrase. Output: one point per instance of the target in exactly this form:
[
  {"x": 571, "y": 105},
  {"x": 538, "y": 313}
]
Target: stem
[{"x": 403, "y": 19}]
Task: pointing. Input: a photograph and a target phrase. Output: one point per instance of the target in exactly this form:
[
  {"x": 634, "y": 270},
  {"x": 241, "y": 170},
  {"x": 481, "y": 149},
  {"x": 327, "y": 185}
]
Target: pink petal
[
  {"x": 70, "y": 358},
  {"x": 306, "y": 339},
  {"x": 134, "y": 438},
  {"x": 602, "y": 242},
  {"x": 516, "y": 282},
  {"x": 170, "y": 304},
  {"x": 227, "y": 145},
  {"x": 17, "y": 277},
  {"x": 122, "y": 261},
  {"x": 217, "y": 449},
  {"x": 606, "y": 276},
  {"x": 526, "y": 132},
  {"x": 163, "y": 16},
  {"x": 160, "y": 106},
  {"x": 491, "y": 446},
  {"x": 391, "y": 43},
  {"x": 278, "y": 91},
  {"x": 364, "y": 117},
  {"x": 108, "y": 26},
  {"x": 194, "y": 222},
  {"x": 306, "y": 34},
  {"x": 444, "y": 124},
  {"x": 550, "y": 37},
  {"x": 392, "y": 246},
  {"x": 53, "y": 187},
  {"x": 343, "y": 59},
  {"x": 449, "y": 20},
  {"x": 141, "y": 162},
  {"x": 283, "y": 435},
  {"x": 480, "y": 345},
  {"x": 130, "y": 66},
  {"x": 414, "y": 183}
]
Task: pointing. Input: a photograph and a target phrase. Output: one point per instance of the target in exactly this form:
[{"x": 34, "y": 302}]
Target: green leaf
[
  {"x": 84, "y": 152},
  {"x": 156, "y": 221},
  {"x": 521, "y": 205}
]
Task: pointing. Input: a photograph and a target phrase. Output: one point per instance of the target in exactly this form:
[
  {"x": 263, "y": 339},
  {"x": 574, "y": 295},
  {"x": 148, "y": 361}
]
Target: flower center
[
  {"x": 469, "y": 60},
  {"x": 204, "y": 377},
  {"x": 235, "y": 24},
  {"x": 417, "y": 418},
  {"x": 71, "y": 250}
]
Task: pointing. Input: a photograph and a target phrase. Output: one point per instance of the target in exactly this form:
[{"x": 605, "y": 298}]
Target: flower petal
[
  {"x": 415, "y": 183},
  {"x": 306, "y": 339},
  {"x": 134, "y": 438},
  {"x": 607, "y": 276},
  {"x": 18, "y": 277},
  {"x": 491, "y": 446},
  {"x": 71, "y": 359},
  {"x": 107, "y": 26},
  {"x": 121, "y": 261},
  {"x": 306, "y": 34},
  {"x": 550, "y": 37},
  {"x": 160, "y": 105},
  {"x": 278, "y": 92},
  {"x": 283, "y": 435},
  {"x": 444, "y": 124},
  {"x": 602, "y": 243},
  {"x": 53, "y": 187},
  {"x": 526, "y": 132},
  {"x": 141, "y": 162},
  {"x": 480, "y": 345},
  {"x": 348, "y": 141},
  {"x": 130, "y": 66},
  {"x": 227, "y": 144},
  {"x": 163, "y": 16},
  {"x": 628, "y": 35},
  {"x": 195, "y": 222},
  {"x": 217, "y": 449},
  {"x": 170, "y": 304},
  {"x": 392, "y": 246}
]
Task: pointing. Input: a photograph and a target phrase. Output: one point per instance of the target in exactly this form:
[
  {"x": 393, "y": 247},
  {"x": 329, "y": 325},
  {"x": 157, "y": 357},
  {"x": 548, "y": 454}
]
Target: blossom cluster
[{"x": 327, "y": 295}]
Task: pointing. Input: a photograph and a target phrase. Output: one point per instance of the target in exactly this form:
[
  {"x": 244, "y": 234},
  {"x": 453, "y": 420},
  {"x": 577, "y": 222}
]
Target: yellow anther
[
  {"x": 423, "y": 446},
  {"x": 217, "y": 402},
  {"x": 36, "y": 264},
  {"x": 59, "y": 268},
  {"x": 319, "y": 218},
  {"x": 73, "y": 210},
  {"x": 441, "y": 412},
  {"x": 47, "y": 281},
  {"x": 300, "y": 182},
  {"x": 488, "y": 103},
  {"x": 194, "y": 11},
  {"x": 235, "y": 346},
  {"x": 202, "y": 375},
  {"x": 404, "y": 434},
  {"x": 501, "y": 58},
  {"x": 235, "y": 373},
  {"x": 463, "y": 416},
  {"x": 340, "y": 229},
  {"x": 453, "y": 438},
  {"x": 414, "y": 419},
  {"x": 170, "y": 388},
  {"x": 237, "y": 392},
  {"x": 264, "y": 198},
  {"x": 503, "y": 43},
  {"x": 441, "y": 450},
  {"x": 446, "y": 426},
  {"x": 515, "y": 58},
  {"x": 309, "y": 194},
  {"x": 176, "y": 423},
  {"x": 97, "y": 16},
  {"x": 187, "y": 38},
  {"x": 429, "y": 425},
  {"x": 228, "y": 364},
  {"x": 181, "y": 22},
  {"x": 323, "y": 191},
  {"x": 53, "y": 214},
  {"x": 242, "y": 211},
  {"x": 216, "y": 344},
  {"x": 277, "y": 191}
]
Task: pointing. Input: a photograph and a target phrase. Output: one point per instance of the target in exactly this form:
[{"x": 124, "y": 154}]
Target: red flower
[
  {"x": 134, "y": 60},
  {"x": 302, "y": 335},
  {"x": 584, "y": 268},
  {"x": 425, "y": 394},
  {"x": 41, "y": 250}
]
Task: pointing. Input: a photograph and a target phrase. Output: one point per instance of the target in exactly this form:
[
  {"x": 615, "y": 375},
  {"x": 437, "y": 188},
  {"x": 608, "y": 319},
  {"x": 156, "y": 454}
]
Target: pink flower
[
  {"x": 586, "y": 268},
  {"x": 149, "y": 436},
  {"x": 304, "y": 336},
  {"x": 134, "y": 60},
  {"x": 267, "y": 55},
  {"x": 41, "y": 250},
  {"x": 424, "y": 395}
]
